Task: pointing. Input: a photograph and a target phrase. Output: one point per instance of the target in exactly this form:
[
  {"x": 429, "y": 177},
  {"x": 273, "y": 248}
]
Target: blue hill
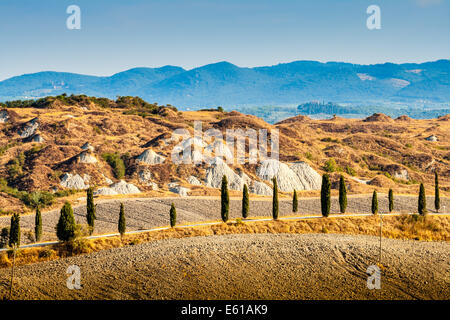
[{"x": 229, "y": 85}]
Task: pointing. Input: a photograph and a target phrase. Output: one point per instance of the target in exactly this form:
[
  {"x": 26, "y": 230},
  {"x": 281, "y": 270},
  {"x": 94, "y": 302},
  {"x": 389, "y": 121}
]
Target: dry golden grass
[{"x": 430, "y": 228}]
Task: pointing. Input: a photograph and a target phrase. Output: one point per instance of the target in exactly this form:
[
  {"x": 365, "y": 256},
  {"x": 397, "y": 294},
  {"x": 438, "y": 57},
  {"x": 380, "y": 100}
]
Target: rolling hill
[{"x": 55, "y": 146}]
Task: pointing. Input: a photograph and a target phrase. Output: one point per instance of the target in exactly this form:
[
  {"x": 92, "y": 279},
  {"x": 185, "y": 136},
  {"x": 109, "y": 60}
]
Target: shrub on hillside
[
  {"x": 331, "y": 166},
  {"x": 116, "y": 163}
]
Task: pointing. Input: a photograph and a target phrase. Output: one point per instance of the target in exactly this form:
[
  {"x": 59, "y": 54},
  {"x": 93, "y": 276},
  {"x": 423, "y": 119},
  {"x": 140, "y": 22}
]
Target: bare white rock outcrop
[
  {"x": 310, "y": 178},
  {"x": 150, "y": 157},
  {"x": 299, "y": 176},
  {"x": 37, "y": 138},
  {"x": 189, "y": 151},
  {"x": 194, "y": 181},
  {"x": 87, "y": 146},
  {"x": 219, "y": 149},
  {"x": 4, "y": 116},
  {"x": 74, "y": 181},
  {"x": 218, "y": 169},
  {"x": 360, "y": 180},
  {"x": 108, "y": 181},
  {"x": 87, "y": 157},
  {"x": 122, "y": 187},
  {"x": 401, "y": 174},
  {"x": 105, "y": 191},
  {"x": 182, "y": 191},
  {"x": 144, "y": 177},
  {"x": 29, "y": 128},
  {"x": 260, "y": 188}
]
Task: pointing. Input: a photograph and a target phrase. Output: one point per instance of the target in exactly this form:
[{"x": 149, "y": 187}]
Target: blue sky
[{"x": 118, "y": 35}]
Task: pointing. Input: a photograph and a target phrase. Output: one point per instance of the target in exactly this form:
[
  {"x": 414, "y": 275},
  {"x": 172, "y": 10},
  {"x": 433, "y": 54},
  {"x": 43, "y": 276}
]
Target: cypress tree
[
  {"x": 245, "y": 202},
  {"x": 295, "y": 202},
  {"x": 325, "y": 195},
  {"x": 173, "y": 215},
  {"x": 14, "y": 230},
  {"x": 66, "y": 226},
  {"x": 437, "y": 200},
  {"x": 90, "y": 208},
  {"x": 225, "y": 199},
  {"x": 122, "y": 222},
  {"x": 374, "y": 202},
  {"x": 391, "y": 200},
  {"x": 38, "y": 225},
  {"x": 342, "y": 195},
  {"x": 422, "y": 205},
  {"x": 275, "y": 199}
]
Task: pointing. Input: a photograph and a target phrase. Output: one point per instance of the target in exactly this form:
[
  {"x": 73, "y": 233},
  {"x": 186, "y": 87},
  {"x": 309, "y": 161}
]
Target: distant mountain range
[{"x": 225, "y": 84}]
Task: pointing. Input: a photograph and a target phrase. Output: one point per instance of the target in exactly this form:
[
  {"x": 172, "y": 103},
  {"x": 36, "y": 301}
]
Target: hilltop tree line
[
  {"x": 316, "y": 107},
  {"x": 67, "y": 228},
  {"x": 132, "y": 104}
]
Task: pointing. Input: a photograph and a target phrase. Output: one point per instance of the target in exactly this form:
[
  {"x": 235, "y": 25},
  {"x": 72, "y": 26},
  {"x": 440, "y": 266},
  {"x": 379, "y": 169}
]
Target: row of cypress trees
[
  {"x": 325, "y": 198},
  {"x": 66, "y": 226}
]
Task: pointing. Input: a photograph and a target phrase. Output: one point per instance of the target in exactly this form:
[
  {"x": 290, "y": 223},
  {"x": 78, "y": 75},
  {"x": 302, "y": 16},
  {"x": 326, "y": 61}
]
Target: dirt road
[{"x": 146, "y": 213}]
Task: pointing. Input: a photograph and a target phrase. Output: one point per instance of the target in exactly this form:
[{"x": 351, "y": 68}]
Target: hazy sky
[{"x": 118, "y": 35}]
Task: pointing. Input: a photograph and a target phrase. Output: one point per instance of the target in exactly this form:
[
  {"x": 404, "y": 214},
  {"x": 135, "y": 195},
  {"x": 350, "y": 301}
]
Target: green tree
[
  {"x": 422, "y": 205},
  {"x": 374, "y": 202},
  {"x": 90, "y": 210},
  {"x": 66, "y": 226},
  {"x": 342, "y": 194},
  {"x": 437, "y": 200},
  {"x": 391, "y": 200},
  {"x": 122, "y": 222},
  {"x": 325, "y": 195},
  {"x": 225, "y": 199},
  {"x": 295, "y": 202},
  {"x": 245, "y": 202},
  {"x": 116, "y": 163},
  {"x": 275, "y": 199},
  {"x": 38, "y": 225},
  {"x": 331, "y": 166},
  {"x": 14, "y": 230},
  {"x": 173, "y": 215}
]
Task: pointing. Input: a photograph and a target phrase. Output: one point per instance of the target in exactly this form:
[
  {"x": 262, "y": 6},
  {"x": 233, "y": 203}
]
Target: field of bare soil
[
  {"x": 245, "y": 266},
  {"x": 146, "y": 213}
]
